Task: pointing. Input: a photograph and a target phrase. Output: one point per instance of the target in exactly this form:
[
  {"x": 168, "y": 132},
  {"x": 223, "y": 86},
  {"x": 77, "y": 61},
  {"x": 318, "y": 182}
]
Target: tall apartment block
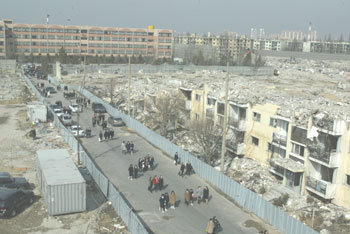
[
  {"x": 84, "y": 40},
  {"x": 310, "y": 157}
]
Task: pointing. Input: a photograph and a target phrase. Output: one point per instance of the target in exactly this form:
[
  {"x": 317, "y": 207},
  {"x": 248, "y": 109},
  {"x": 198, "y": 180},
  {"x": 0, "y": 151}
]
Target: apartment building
[
  {"x": 2, "y": 40},
  {"x": 327, "y": 47},
  {"x": 311, "y": 157},
  {"x": 84, "y": 40}
]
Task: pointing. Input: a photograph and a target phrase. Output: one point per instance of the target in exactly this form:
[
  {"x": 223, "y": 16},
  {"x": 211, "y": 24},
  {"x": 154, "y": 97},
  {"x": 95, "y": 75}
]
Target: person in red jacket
[{"x": 155, "y": 183}]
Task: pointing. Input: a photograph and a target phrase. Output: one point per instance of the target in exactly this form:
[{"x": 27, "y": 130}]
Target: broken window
[
  {"x": 255, "y": 141},
  {"x": 198, "y": 97},
  {"x": 347, "y": 180},
  {"x": 211, "y": 101},
  {"x": 299, "y": 134},
  {"x": 221, "y": 108},
  {"x": 196, "y": 116},
  {"x": 256, "y": 116},
  {"x": 242, "y": 114},
  {"x": 273, "y": 122},
  {"x": 298, "y": 149}
]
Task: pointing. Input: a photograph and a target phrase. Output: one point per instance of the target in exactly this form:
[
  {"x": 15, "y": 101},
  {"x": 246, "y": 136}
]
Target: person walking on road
[
  {"x": 105, "y": 135},
  {"x": 166, "y": 201},
  {"x": 199, "y": 194},
  {"x": 131, "y": 147},
  {"x": 112, "y": 133},
  {"x": 210, "y": 227},
  {"x": 191, "y": 197},
  {"x": 123, "y": 147},
  {"x": 155, "y": 183},
  {"x": 131, "y": 171},
  {"x": 135, "y": 171},
  {"x": 100, "y": 136},
  {"x": 182, "y": 169},
  {"x": 187, "y": 197},
  {"x": 172, "y": 200},
  {"x": 150, "y": 184},
  {"x": 160, "y": 182},
  {"x": 93, "y": 121},
  {"x": 162, "y": 203},
  {"x": 206, "y": 194},
  {"x": 128, "y": 147},
  {"x": 188, "y": 168},
  {"x": 176, "y": 158}
]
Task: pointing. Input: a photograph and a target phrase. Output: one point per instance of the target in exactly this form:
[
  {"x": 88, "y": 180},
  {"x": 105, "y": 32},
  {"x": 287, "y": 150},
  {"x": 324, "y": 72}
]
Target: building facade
[
  {"x": 84, "y": 40},
  {"x": 312, "y": 158}
]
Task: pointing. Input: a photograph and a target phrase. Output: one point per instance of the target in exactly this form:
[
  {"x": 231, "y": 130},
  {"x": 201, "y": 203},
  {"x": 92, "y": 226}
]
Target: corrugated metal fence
[
  {"x": 120, "y": 204},
  {"x": 243, "y": 196}
]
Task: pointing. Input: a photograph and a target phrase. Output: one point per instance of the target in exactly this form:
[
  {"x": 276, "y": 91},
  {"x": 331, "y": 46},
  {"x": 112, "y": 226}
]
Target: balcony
[
  {"x": 333, "y": 127},
  {"x": 236, "y": 148},
  {"x": 331, "y": 159},
  {"x": 276, "y": 169},
  {"x": 320, "y": 187},
  {"x": 279, "y": 139},
  {"x": 239, "y": 125}
]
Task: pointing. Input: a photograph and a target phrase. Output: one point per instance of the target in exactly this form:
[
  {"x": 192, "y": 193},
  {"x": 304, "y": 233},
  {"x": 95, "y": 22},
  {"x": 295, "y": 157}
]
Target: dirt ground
[{"x": 17, "y": 156}]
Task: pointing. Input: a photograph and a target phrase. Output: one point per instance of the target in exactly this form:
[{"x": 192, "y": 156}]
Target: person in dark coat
[
  {"x": 106, "y": 135},
  {"x": 131, "y": 171},
  {"x": 182, "y": 169},
  {"x": 187, "y": 197},
  {"x": 131, "y": 147},
  {"x": 151, "y": 162},
  {"x": 176, "y": 158},
  {"x": 188, "y": 168},
  {"x": 166, "y": 201},
  {"x": 135, "y": 171},
  {"x": 112, "y": 133},
  {"x": 206, "y": 194},
  {"x": 162, "y": 203},
  {"x": 93, "y": 122},
  {"x": 128, "y": 147},
  {"x": 160, "y": 182},
  {"x": 100, "y": 136},
  {"x": 150, "y": 184},
  {"x": 191, "y": 197}
]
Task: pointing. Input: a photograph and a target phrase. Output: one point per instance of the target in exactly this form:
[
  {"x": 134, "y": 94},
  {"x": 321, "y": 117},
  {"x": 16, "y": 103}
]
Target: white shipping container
[
  {"x": 37, "y": 111},
  {"x": 62, "y": 185}
]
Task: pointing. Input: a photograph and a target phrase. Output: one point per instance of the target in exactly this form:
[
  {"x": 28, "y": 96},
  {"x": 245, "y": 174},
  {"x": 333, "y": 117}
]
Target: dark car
[
  {"x": 69, "y": 95},
  {"x": 50, "y": 89},
  {"x": 6, "y": 180},
  {"x": 98, "y": 108},
  {"x": 12, "y": 201},
  {"x": 116, "y": 122}
]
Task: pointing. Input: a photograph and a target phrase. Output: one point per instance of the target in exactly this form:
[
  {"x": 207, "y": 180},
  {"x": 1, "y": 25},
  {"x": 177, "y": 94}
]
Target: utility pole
[
  {"x": 223, "y": 146},
  {"x": 78, "y": 112},
  {"x": 129, "y": 87}
]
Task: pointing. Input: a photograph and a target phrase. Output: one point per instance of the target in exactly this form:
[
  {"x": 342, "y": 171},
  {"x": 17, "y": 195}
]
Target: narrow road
[{"x": 184, "y": 219}]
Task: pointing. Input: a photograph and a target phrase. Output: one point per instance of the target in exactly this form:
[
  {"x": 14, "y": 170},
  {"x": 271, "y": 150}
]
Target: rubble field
[
  {"x": 17, "y": 156},
  {"x": 302, "y": 88}
]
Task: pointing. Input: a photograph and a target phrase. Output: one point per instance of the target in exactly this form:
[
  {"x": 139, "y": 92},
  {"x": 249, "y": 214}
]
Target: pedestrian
[
  {"x": 160, "y": 183},
  {"x": 172, "y": 200},
  {"x": 112, "y": 133},
  {"x": 131, "y": 147},
  {"x": 103, "y": 118},
  {"x": 105, "y": 135},
  {"x": 191, "y": 196},
  {"x": 206, "y": 194},
  {"x": 210, "y": 227},
  {"x": 122, "y": 147},
  {"x": 188, "y": 168},
  {"x": 182, "y": 169},
  {"x": 100, "y": 136},
  {"x": 199, "y": 194},
  {"x": 98, "y": 119},
  {"x": 128, "y": 147},
  {"x": 166, "y": 201},
  {"x": 155, "y": 182},
  {"x": 176, "y": 158},
  {"x": 93, "y": 122},
  {"x": 187, "y": 197},
  {"x": 131, "y": 171},
  {"x": 161, "y": 203},
  {"x": 135, "y": 171},
  {"x": 140, "y": 164},
  {"x": 150, "y": 184},
  {"x": 151, "y": 162}
]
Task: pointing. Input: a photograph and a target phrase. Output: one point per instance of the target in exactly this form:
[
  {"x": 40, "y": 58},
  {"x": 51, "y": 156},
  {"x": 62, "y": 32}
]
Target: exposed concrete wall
[{"x": 8, "y": 65}]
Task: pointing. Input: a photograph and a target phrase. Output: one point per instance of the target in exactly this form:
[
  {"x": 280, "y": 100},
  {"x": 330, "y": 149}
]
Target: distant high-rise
[{"x": 257, "y": 33}]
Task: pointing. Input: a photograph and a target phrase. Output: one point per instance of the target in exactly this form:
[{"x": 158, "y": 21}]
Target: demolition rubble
[{"x": 303, "y": 89}]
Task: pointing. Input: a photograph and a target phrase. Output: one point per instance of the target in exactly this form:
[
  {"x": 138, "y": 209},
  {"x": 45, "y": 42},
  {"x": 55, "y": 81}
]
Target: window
[
  {"x": 273, "y": 122},
  {"x": 298, "y": 149},
  {"x": 83, "y": 31},
  {"x": 347, "y": 180},
  {"x": 196, "y": 116},
  {"x": 198, "y": 97},
  {"x": 255, "y": 141},
  {"x": 256, "y": 116}
]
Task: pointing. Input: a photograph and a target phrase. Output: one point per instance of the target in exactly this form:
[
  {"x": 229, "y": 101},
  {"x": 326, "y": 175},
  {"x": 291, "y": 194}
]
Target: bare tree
[
  {"x": 111, "y": 87},
  {"x": 208, "y": 137},
  {"x": 164, "y": 111}
]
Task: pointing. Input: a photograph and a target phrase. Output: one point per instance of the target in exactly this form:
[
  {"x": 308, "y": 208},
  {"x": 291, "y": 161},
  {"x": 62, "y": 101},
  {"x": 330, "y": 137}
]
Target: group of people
[
  {"x": 156, "y": 183},
  {"x": 188, "y": 167},
  {"x": 99, "y": 120},
  {"x": 165, "y": 199},
  {"x": 106, "y": 135},
  {"x": 200, "y": 195},
  {"x": 146, "y": 163},
  {"x": 133, "y": 171},
  {"x": 127, "y": 147}
]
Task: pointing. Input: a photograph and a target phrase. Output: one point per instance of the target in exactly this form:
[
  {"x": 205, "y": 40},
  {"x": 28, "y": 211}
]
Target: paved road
[{"x": 181, "y": 220}]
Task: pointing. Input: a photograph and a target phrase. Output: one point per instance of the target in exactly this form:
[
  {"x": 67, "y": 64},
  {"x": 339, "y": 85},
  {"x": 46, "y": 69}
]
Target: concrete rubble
[{"x": 302, "y": 89}]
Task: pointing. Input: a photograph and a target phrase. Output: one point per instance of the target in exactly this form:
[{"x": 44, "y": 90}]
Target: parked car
[
  {"x": 50, "y": 89},
  {"x": 98, "y": 108},
  {"x": 12, "y": 201},
  {"x": 69, "y": 95},
  {"x": 6, "y": 180},
  {"x": 67, "y": 110},
  {"x": 74, "y": 107},
  {"x": 66, "y": 119},
  {"x": 58, "y": 112},
  {"x": 75, "y": 129},
  {"x": 116, "y": 122}
]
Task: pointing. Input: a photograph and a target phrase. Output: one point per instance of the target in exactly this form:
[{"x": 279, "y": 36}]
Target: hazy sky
[{"x": 327, "y": 16}]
